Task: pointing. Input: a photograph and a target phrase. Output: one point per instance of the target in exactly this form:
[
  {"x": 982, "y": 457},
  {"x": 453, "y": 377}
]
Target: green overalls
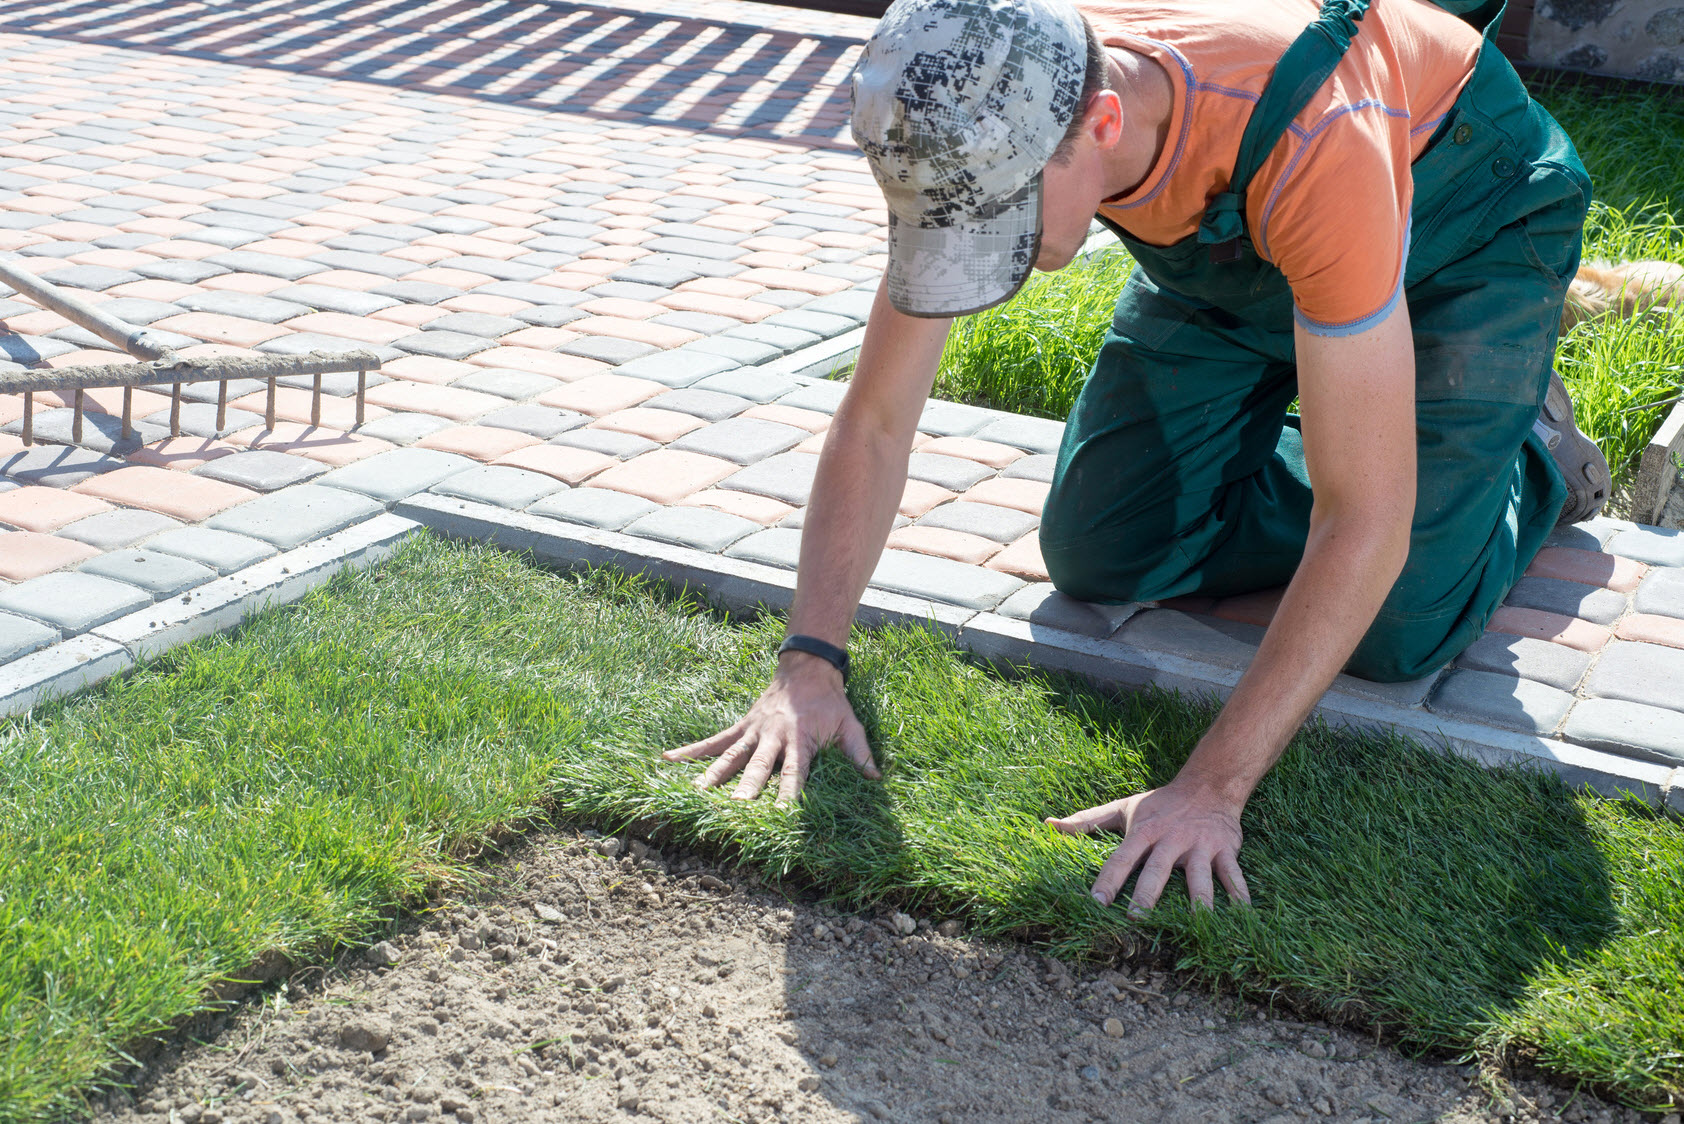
[{"x": 1181, "y": 470}]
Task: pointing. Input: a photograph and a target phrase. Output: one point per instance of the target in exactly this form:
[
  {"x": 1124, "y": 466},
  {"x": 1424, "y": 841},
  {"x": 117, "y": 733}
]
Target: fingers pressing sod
[
  {"x": 760, "y": 767},
  {"x": 1117, "y": 869},
  {"x": 794, "y": 776},
  {"x": 1154, "y": 876},
  {"x": 707, "y": 747},
  {"x": 1104, "y": 817},
  {"x": 727, "y": 766},
  {"x": 1233, "y": 881},
  {"x": 858, "y": 749},
  {"x": 1199, "y": 886}
]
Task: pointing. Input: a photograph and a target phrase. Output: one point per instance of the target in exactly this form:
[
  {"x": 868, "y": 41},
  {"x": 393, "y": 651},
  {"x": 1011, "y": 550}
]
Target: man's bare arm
[
  {"x": 856, "y": 492},
  {"x": 1357, "y": 395}
]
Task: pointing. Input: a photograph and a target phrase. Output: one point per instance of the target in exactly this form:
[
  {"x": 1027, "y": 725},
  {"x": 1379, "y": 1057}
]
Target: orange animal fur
[{"x": 1625, "y": 288}]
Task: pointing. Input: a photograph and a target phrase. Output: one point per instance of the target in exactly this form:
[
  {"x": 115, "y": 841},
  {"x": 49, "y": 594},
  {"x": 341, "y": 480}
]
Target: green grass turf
[
  {"x": 1032, "y": 354},
  {"x": 283, "y": 787}
]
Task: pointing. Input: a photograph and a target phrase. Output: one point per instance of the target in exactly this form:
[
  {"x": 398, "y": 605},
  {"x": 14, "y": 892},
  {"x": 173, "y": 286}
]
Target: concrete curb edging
[
  {"x": 746, "y": 587},
  {"x": 1655, "y": 471},
  {"x": 117, "y": 646}
]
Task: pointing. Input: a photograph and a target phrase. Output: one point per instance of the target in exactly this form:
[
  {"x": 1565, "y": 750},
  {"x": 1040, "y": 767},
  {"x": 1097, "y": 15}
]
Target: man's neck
[{"x": 1148, "y": 103}]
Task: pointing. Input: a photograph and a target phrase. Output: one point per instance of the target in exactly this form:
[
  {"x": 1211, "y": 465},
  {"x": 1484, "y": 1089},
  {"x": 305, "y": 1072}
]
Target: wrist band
[{"x": 813, "y": 646}]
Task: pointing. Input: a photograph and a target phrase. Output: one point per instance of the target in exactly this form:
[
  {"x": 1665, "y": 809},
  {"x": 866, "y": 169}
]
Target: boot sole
[{"x": 1582, "y": 464}]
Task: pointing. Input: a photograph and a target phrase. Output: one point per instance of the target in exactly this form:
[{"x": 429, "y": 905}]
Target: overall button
[
  {"x": 1462, "y": 134},
  {"x": 1502, "y": 167}
]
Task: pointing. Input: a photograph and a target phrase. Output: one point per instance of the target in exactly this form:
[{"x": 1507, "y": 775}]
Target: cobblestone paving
[{"x": 602, "y": 254}]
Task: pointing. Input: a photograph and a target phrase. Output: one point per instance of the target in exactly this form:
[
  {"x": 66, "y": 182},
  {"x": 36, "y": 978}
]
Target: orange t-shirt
[{"x": 1330, "y": 206}]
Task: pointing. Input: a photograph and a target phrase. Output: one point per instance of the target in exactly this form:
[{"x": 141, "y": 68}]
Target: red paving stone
[
  {"x": 413, "y": 315},
  {"x": 294, "y": 405},
  {"x": 534, "y": 362},
  {"x": 191, "y": 499},
  {"x": 1022, "y": 559},
  {"x": 444, "y": 401},
  {"x": 664, "y": 475},
  {"x": 813, "y": 421},
  {"x": 1005, "y": 491},
  {"x": 182, "y": 453},
  {"x": 361, "y": 328},
  {"x": 29, "y": 554},
  {"x": 957, "y": 545},
  {"x": 760, "y": 509},
  {"x": 638, "y": 331},
  {"x": 564, "y": 462},
  {"x": 427, "y": 369},
  {"x": 34, "y": 508},
  {"x": 990, "y": 453},
  {"x": 599, "y": 395},
  {"x": 749, "y": 312},
  {"x": 657, "y": 425},
  {"x": 1589, "y": 567},
  {"x": 920, "y": 497},
  {"x": 319, "y": 443},
  {"x": 1555, "y": 627},
  {"x": 481, "y": 442},
  {"x": 215, "y": 328},
  {"x": 1645, "y": 627}
]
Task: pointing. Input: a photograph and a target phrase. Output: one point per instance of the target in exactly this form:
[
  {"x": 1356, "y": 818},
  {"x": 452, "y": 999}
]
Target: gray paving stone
[
  {"x": 743, "y": 440},
  {"x": 507, "y": 383},
  {"x": 19, "y": 636},
  {"x": 605, "y": 441},
  {"x": 378, "y": 264},
  {"x": 138, "y": 310},
  {"x": 100, "y": 432},
  {"x": 858, "y": 274},
  {"x": 709, "y": 405},
  {"x": 775, "y": 546},
  {"x": 1589, "y": 602},
  {"x": 1501, "y": 700},
  {"x": 270, "y": 265},
  {"x": 821, "y": 324},
  {"x": 73, "y": 601},
  {"x": 391, "y": 476},
  {"x": 247, "y": 306},
  {"x": 701, "y": 266},
  {"x": 524, "y": 268},
  {"x": 96, "y": 278},
  {"x": 512, "y": 488},
  {"x": 549, "y": 316},
  {"x": 695, "y": 248},
  {"x": 112, "y": 530},
  {"x": 404, "y": 428},
  {"x": 57, "y": 466},
  {"x": 417, "y": 292},
  {"x": 784, "y": 339},
  {"x": 675, "y": 368},
  {"x": 181, "y": 270},
  {"x": 1646, "y": 732},
  {"x": 756, "y": 386},
  {"x": 786, "y": 476},
  {"x": 1035, "y": 466},
  {"x": 298, "y": 514},
  {"x": 198, "y": 419},
  {"x": 161, "y": 575},
  {"x": 1649, "y": 544},
  {"x": 941, "y": 579},
  {"x": 953, "y": 473},
  {"x": 541, "y": 295},
  {"x": 824, "y": 396},
  {"x": 222, "y": 551},
  {"x": 543, "y": 422},
  {"x": 339, "y": 384},
  {"x": 302, "y": 343},
  {"x": 701, "y": 322},
  {"x": 1662, "y": 592},
  {"x": 1041, "y": 604},
  {"x": 1652, "y": 674},
  {"x": 594, "y": 507},
  {"x": 1002, "y": 524},
  {"x": 1227, "y": 644},
  {"x": 741, "y": 351},
  {"x": 1035, "y": 435},
  {"x": 1555, "y": 665},
  {"x": 606, "y": 349},
  {"x": 327, "y": 299},
  {"x": 666, "y": 276},
  {"x": 952, "y": 419},
  {"x": 699, "y": 528},
  {"x": 474, "y": 324},
  {"x": 444, "y": 345},
  {"x": 261, "y": 470}
]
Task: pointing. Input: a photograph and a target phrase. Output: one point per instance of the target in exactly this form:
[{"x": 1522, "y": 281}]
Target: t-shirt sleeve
[{"x": 1335, "y": 220}]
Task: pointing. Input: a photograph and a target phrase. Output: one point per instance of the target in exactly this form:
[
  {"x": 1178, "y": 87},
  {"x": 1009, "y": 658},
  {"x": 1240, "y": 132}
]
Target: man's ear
[{"x": 1103, "y": 120}]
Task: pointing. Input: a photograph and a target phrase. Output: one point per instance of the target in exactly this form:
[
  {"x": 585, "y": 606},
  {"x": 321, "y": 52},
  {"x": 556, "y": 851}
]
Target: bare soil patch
[{"x": 596, "y": 979}]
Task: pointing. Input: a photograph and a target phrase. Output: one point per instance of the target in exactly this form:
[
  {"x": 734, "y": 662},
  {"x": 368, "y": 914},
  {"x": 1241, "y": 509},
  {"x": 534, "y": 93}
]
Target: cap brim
[{"x": 970, "y": 264}]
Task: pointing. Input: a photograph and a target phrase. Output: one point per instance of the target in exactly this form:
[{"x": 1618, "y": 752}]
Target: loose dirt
[{"x": 595, "y": 979}]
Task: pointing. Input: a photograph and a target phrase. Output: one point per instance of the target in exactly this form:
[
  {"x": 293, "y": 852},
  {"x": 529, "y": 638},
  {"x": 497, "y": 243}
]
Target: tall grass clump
[{"x": 288, "y": 786}]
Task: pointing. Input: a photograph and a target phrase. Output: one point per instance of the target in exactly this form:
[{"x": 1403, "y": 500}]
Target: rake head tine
[
  {"x": 221, "y": 406},
  {"x": 128, "y": 412},
  {"x": 269, "y": 409},
  {"x": 76, "y": 421},
  {"x": 28, "y": 418},
  {"x": 175, "y": 411},
  {"x": 362, "y": 390},
  {"x": 316, "y": 403}
]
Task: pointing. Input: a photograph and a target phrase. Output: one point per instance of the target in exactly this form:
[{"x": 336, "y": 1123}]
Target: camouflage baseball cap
[{"x": 958, "y": 105}]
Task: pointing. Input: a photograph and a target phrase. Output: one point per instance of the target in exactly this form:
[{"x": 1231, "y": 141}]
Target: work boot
[{"x": 1582, "y": 464}]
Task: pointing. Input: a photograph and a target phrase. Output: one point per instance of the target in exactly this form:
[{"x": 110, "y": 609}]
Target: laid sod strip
[{"x": 282, "y": 787}]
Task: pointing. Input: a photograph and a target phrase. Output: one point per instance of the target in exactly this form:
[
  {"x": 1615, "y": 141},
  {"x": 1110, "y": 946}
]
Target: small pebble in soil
[
  {"x": 1114, "y": 1028},
  {"x": 384, "y": 955}
]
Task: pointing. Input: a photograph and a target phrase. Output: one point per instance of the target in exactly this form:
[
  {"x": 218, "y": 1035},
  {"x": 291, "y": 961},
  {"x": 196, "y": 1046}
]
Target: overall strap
[{"x": 1302, "y": 69}]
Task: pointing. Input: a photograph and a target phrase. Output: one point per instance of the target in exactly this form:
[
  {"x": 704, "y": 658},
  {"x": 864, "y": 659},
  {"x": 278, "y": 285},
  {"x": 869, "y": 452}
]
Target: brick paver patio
[{"x": 606, "y": 256}]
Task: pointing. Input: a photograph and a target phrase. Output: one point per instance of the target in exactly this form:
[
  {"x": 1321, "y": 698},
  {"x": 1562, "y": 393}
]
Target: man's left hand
[{"x": 1169, "y": 827}]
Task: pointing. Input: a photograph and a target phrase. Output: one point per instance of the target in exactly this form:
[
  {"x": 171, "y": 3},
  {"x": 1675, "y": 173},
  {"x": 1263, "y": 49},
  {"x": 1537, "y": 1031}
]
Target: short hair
[{"x": 1096, "y": 78}]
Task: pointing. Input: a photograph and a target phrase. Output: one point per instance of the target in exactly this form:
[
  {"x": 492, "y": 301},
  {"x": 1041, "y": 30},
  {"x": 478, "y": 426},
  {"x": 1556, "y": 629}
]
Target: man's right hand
[{"x": 802, "y": 711}]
